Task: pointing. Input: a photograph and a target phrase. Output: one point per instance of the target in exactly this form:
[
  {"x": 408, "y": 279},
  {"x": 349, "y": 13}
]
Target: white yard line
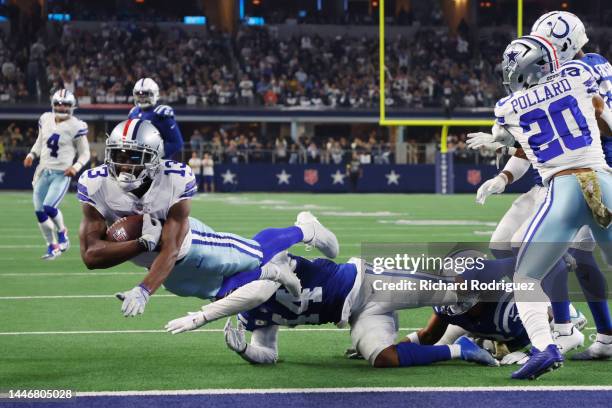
[
  {"x": 26, "y": 274},
  {"x": 224, "y": 391},
  {"x": 69, "y": 297}
]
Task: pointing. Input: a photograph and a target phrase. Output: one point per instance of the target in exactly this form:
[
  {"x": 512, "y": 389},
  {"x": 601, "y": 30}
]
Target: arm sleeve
[
  {"x": 83, "y": 154},
  {"x": 173, "y": 139},
  {"x": 263, "y": 348},
  {"x": 242, "y": 299},
  {"x": 517, "y": 167},
  {"x": 35, "y": 151}
]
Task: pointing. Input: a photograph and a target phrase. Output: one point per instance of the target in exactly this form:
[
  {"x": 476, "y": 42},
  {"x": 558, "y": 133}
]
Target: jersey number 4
[
  {"x": 544, "y": 144},
  {"x": 53, "y": 144}
]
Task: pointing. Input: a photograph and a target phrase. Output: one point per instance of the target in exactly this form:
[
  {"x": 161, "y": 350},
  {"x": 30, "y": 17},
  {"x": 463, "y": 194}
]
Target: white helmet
[
  {"x": 564, "y": 31},
  {"x": 133, "y": 152},
  {"x": 63, "y": 103},
  {"x": 146, "y": 93}
]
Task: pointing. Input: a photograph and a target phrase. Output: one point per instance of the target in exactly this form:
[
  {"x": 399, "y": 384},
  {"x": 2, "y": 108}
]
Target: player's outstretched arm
[
  {"x": 242, "y": 299},
  {"x": 174, "y": 231},
  {"x": 603, "y": 115},
  {"x": 98, "y": 253}
]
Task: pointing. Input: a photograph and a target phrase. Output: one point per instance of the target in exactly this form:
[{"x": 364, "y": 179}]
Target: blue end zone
[{"x": 473, "y": 399}]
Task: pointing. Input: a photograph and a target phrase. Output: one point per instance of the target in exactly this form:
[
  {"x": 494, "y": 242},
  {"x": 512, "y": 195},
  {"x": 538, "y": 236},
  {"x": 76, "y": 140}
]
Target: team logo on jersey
[
  {"x": 474, "y": 177},
  {"x": 311, "y": 176}
]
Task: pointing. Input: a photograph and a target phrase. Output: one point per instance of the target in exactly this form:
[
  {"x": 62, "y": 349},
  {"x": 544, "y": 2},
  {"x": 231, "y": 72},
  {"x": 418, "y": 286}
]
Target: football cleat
[
  {"x": 539, "y": 363},
  {"x": 324, "y": 240},
  {"x": 471, "y": 352},
  {"x": 568, "y": 342},
  {"x": 63, "y": 240},
  {"x": 598, "y": 350},
  {"x": 53, "y": 251}
]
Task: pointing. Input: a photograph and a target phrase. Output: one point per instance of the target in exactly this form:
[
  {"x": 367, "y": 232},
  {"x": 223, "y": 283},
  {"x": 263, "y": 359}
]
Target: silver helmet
[
  {"x": 134, "y": 151},
  {"x": 63, "y": 103},
  {"x": 527, "y": 60}
]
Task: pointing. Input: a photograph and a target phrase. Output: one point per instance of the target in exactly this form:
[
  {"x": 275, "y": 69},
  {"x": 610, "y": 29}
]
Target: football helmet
[
  {"x": 63, "y": 103},
  {"x": 146, "y": 93},
  {"x": 134, "y": 151},
  {"x": 564, "y": 31},
  {"x": 527, "y": 60}
]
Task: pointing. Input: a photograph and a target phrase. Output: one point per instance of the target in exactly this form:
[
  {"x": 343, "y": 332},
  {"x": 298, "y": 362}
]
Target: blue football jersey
[
  {"x": 325, "y": 287},
  {"x": 162, "y": 117},
  {"x": 492, "y": 320},
  {"x": 602, "y": 71}
]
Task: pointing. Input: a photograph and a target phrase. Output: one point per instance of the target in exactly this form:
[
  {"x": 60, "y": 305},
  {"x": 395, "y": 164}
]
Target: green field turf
[{"x": 157, "y": 360}]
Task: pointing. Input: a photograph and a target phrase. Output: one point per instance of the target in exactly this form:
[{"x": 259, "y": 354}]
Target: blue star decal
[{"x": 512, "y": 56}]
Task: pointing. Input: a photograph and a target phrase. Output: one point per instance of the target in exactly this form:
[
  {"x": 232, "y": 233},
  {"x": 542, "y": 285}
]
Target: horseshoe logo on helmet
[{"x": 566, "y": 32}]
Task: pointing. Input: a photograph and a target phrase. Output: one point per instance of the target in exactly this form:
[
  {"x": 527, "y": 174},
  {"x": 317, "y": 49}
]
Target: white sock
[
  {"x": 47, "y": 228},
  {"x": 58, "y": 220},
  {"x": 455, "y": 351},
  {"x": 534, "y": 315},
  {"x": 604, "y": 338},
  {"x": 308, "y": 231},
  {"x": 564, "y": 329}
]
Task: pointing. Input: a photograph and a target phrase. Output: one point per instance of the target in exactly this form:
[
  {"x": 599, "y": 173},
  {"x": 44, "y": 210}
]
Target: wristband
[
  {"x": 413, "y": 337},
  {"x": 143, "y": 287},
  {"x": 77, "y": 166}
]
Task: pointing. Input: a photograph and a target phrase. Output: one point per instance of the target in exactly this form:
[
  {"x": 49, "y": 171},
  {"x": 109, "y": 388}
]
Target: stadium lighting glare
[
  {"x": 59, "y": 17},
  {"x": 255, "y": 21},
  {"x": 194, "y": 20}
]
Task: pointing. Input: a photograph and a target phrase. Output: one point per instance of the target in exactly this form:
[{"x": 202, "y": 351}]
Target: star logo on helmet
[{"x": 512, "y": 56}]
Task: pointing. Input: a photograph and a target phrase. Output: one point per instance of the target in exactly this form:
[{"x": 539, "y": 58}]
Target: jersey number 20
[{"x": 544, "y": 144}]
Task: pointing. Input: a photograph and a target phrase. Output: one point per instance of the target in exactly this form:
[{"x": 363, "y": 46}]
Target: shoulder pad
[
  {"x": 133, "y": 111},
  {"x": 593, "y": 59},
  {"x": 164, "y": 111},
  {"x": 183, "y": 181},
  {"x": 90, "y": 182},
  {"x": 502, "y": 109}
]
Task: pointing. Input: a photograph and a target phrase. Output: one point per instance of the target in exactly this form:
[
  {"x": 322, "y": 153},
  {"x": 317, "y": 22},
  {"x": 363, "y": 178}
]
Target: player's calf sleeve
[
  {"x": 56, "y": 216},
  {"x": 411, "y": 354},
  {"x": 555, "y": 286},
  {"x": 275, "y": 240},
  {"x": 532, "y": 307},
  {"x": 490, "y": 270},
  {"x": 47, "y": 229},
  {"x": 593, "y": 284}
]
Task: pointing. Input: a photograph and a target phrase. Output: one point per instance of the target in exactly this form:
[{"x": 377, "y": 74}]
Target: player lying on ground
[
  {"x": 567, "y": 34},
  {"x": 182, "y": 253},
  {"x": 61, "y": 136},
  {"x": 331, "y": 293},
  {"x": 570, "y": 159}
]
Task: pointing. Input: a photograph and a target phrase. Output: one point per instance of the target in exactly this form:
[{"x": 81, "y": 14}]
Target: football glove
[
  {"x": 235, "y": 337},
  {"x": 517, "y": 357},
  {"x": 192, "y": 321},
  {"x": 496, "y": 185},
  {"x": 481, "y": 139},
  {"x": 134, "y": 301},
  {"x": 151, "y": 232}
]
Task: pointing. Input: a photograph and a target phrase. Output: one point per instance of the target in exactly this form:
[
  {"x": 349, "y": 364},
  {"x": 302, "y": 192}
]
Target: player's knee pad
[
  {"x": 50, "y": 211},
  {"x": 41, "y": 215}
]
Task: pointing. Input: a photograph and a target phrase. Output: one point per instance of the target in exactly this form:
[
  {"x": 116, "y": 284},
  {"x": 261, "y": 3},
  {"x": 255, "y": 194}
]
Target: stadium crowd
[{"x": 255, "y": 67}]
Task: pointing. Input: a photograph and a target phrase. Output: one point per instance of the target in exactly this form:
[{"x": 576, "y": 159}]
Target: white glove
[
  {"x": 283, "y": 274},
  {"x": 151, "y": 232},
  {"x": 134, "y": 301},
  {"x": 496, "y": 185},
  {"x": 234, "y": 337},
  {"x": 480, "y": 139},
  {"x": 192, "y": 321},
  {"x": 517, "y": 357}
]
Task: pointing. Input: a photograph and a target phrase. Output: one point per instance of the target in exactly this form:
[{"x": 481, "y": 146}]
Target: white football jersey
[
  {"x": 56, "y": 142},
  {"x": 173, "y": 183},
  {"x": 554, "y": 122}
]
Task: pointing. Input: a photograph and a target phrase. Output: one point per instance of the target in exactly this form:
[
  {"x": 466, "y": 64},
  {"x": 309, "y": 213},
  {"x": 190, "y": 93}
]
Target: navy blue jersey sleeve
[{"x": 170, "y": 132}]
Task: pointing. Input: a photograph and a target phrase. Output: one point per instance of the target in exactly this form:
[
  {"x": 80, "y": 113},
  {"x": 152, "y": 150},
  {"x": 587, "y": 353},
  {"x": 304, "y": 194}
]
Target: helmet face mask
[
  {"x": 63, "y": 104},
  {"x": 132, "y": 158}
]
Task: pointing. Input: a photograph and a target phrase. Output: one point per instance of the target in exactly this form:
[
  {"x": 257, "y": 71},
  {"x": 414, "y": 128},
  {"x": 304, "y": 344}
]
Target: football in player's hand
[{"x": 125, "y": 229}]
